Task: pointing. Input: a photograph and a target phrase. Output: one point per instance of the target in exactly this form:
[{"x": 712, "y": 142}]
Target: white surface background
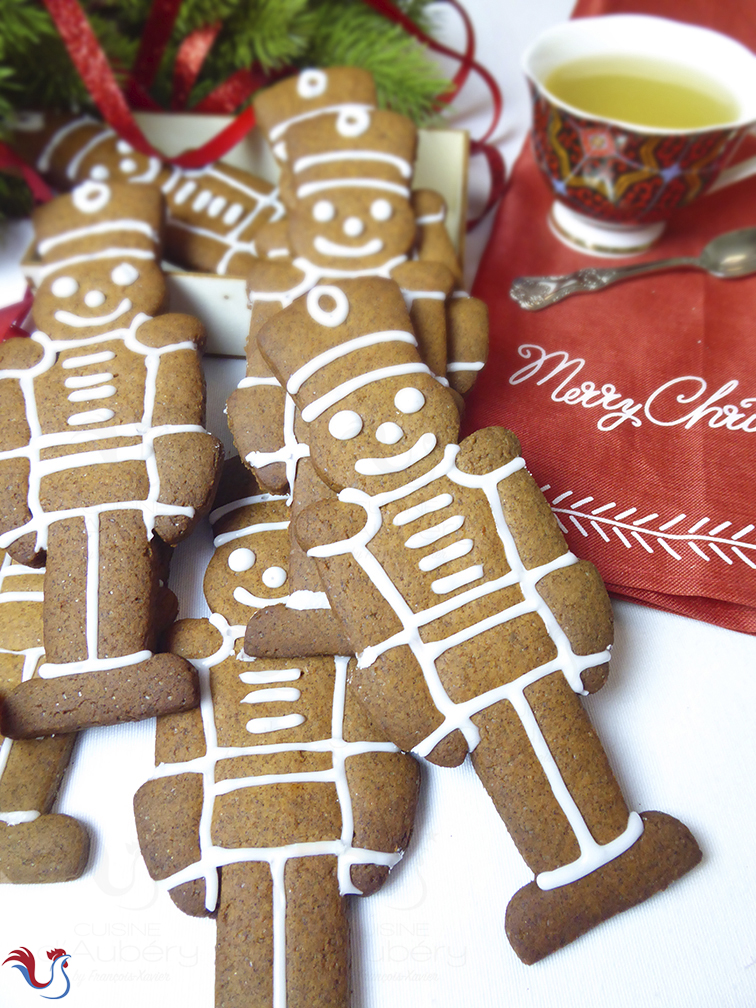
[{"x": 676, "y": 717}]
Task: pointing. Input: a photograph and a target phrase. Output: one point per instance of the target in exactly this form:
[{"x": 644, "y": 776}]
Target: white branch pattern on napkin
[{"x": 648, "y": 529}]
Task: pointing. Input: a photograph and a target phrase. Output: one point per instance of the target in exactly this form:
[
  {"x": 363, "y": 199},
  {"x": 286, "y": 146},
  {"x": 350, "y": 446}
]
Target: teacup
[{"x": 617, "y": 182}]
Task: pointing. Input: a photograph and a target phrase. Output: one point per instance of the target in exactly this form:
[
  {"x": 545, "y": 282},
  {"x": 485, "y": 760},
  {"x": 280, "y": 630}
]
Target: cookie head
[
  {"x": 385, "y": 434},
  {"x": 94, "y": 297},
  {"x": 372, "y": 412},
  {"x": 351, "y": 228},
  {"x": 348, "y": 188},
  {"x": 249, "y": 569}
]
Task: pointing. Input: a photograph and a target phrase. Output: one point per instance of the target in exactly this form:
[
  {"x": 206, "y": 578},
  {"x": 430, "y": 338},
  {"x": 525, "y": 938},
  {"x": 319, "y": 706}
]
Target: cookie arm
[
  {"x": 433, "y": 241},
  {"x": 188, "y": 461},
  {"x": 16, "y": 356},
  {"x": 256, "y": 410},
  {"x": 466, "y": 340},
  {"x": 575, "y": 593},
  {"x": 425, "y": 287}
]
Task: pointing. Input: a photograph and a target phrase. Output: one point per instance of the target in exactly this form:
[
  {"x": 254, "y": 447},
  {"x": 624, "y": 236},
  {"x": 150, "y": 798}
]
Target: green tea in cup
[{"x": 644, "y": 91}]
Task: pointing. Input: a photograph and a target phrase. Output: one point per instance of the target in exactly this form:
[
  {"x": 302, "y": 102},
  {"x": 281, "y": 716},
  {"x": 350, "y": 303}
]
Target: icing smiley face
[
  {"x": 370, "y": 442},
  {"x": 249, "y": 569},
  {"x": 81, "y": 299},
  {"x": 350, "y": 226}
]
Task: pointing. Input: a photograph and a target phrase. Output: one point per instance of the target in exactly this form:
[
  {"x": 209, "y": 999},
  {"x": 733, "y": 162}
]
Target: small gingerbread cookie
[
  {"x": 280, "y": 785},
  {"x": 107, "y": 460}
]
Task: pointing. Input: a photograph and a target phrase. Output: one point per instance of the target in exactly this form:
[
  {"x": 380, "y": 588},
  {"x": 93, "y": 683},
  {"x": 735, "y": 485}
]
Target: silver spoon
[{"x": 730, "y": 255}]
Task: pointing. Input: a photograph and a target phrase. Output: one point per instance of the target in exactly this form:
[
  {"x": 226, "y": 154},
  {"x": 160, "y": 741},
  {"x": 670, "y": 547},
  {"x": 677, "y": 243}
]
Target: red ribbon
[
  {"x": 468, "y": 63},
  {"x": 93, "y": 67},
  {"x": 10, "y": 161},
  {"x": 11, "y": 316},
  {"x": 92, "y": 64}
]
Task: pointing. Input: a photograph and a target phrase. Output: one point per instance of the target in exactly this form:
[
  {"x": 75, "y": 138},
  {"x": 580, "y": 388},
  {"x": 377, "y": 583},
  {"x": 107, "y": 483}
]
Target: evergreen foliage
[{"x": 36, "y": 71}]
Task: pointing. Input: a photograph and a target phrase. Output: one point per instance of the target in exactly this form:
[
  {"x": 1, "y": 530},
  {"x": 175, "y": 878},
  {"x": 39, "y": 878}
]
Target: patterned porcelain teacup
[{"x": 617, "y": 182}]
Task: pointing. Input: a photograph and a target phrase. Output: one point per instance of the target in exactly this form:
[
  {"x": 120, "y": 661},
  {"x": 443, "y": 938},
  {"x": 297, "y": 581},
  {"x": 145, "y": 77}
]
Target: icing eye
[
  {"x": 94, "y": 298},
  {"x": 124, "y": 274},
  {"x": 64, "y": 286},
  {"x": 124, "y": 147},
  {"x": 274, "y": 577},
  {"x": 352, "y": 121},
  {"x": 311, "y": 83},
  {"x": 240, "y": 560},
  {"x": 345, "y": 424},
  {"x": 99, "y": 173},
  {"x": 409, "y": 400},
  {"x": 353, "y": 227},
  {"x": 128, "y": 166},
  {"x": 381, "y": 210},
  {"x": 336, "y": 315},
  {"x": 389, "y": 433},
  {"x": 324, "y": 211}
]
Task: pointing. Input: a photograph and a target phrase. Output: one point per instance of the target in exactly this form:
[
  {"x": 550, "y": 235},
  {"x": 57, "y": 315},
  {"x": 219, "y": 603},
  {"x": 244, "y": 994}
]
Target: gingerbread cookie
[
  {"x": 214, "y": 214},
  {"x": 279, "y": 786},
  {"x": 107, "y": 462},
  {"x": 36, "y": 844},
  {"x": 346, "y": 183},
  {"x": 476, "y": 629}
]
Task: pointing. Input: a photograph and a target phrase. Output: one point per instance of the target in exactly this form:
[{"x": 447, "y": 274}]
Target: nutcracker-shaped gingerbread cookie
[
  {"x": 36, "y": 845},
  {"x": 346, "y": 174},
  {"x": 213, "y": 214},
  {"x": 475, "y": 628},
  {"x": 106, "y": 461},
  {"x": 278, "y": 797}
]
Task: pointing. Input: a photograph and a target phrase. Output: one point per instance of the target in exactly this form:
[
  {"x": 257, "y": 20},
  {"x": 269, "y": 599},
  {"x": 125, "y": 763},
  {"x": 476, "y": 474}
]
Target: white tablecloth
[{"x": 676, "y": 717}]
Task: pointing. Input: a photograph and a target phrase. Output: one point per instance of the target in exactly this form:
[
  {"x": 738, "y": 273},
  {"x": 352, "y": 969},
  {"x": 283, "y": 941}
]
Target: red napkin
[{"x": 636, "y": 406}]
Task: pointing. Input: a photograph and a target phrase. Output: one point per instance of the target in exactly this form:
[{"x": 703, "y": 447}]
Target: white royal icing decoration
[
  {"x": 64, "y": 286},
  {"x": 345, "y": 425}
]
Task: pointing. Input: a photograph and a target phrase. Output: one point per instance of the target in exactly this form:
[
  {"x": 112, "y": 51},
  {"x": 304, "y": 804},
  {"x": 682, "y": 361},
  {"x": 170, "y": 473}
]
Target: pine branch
[{"x": 36, "y": 71}]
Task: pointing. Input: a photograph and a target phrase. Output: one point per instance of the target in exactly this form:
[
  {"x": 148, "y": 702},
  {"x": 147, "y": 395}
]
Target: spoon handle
[{"x": 534, "y": 293}]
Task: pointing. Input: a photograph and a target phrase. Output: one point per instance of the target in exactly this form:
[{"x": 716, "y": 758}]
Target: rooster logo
[{"x": 24, "y": 962}]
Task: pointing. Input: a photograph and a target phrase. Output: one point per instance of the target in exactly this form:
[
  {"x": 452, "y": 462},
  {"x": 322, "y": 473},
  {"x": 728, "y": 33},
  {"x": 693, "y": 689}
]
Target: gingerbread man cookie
[
  {"x": 279, "y": 784},
  {"x": 107, "y": 462},
  {"x": 476, "y": 629},
  {"x": 346, "y": 182}
]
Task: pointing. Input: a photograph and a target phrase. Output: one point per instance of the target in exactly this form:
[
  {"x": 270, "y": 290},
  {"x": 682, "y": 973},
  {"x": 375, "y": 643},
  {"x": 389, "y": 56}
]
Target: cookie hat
[
  {"x": 342, "y": 90},
  {"x": 374, "y": 148},
  {"x": 338, "y": 343},
  {"x": 99, "y": 221}
]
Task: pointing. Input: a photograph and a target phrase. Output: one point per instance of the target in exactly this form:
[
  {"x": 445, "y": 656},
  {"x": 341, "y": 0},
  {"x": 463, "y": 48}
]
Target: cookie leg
[
  {"x": 282, "y": 936},
  {"x": 546, "y": 771}
]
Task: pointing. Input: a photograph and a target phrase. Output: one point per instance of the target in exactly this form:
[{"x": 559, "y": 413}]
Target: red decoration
[
  {"x": 92, "y": 64},
  {"x": 116, "y": 104}
]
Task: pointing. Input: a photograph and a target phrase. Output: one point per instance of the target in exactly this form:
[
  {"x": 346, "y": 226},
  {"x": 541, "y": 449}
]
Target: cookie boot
[
  {"x": 50, "y": 848},
  {"x": 538, "y": 922}
]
